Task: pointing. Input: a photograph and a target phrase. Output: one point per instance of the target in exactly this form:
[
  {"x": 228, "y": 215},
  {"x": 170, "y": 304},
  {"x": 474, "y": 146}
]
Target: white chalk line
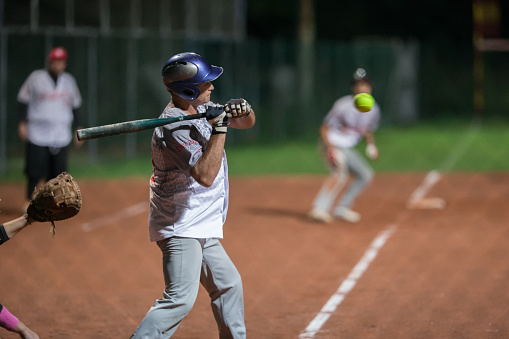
[
  {"x": 429, "y": 181},
  {"x": 461, "y": 147},
  {"x": 349, "y": 283},
  {"x": 128, "y": 212},
  {"x": 456, "y": 153}
]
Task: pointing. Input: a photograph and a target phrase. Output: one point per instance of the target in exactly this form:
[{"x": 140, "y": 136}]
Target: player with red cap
[
  {"x": 49, "y": 105},
  {"x": 58, "y": 53}
]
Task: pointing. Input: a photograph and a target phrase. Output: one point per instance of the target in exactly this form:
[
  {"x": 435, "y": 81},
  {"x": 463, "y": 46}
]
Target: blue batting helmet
[{"x": 182, "y": 72}]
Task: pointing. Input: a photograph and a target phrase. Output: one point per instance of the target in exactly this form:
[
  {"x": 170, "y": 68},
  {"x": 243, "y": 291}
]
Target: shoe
[
  {"x": 347, "y": 214},
  {"x": 319, "y": 215}
]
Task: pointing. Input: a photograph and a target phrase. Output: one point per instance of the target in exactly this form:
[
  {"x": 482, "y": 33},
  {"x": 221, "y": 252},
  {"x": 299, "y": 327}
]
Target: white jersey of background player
[
  {"x": 342, "y": 129},
  {"x": 51, "y": 101}
]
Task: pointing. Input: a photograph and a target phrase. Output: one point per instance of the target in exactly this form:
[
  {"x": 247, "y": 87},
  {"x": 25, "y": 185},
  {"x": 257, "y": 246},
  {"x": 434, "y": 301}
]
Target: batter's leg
[
  {"x": 223, "y": 283},
  {"x": 182, "y": 260}
]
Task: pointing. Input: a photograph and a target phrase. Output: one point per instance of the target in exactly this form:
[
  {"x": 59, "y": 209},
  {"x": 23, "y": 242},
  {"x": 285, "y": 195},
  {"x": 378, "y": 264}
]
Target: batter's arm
[
  {"x": 207, "y": 167},
  {"x": 244, "y": 122}
]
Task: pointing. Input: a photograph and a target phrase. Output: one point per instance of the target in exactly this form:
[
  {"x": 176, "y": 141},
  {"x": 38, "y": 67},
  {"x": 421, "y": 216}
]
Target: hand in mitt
[{"x": 57, "y": 199}]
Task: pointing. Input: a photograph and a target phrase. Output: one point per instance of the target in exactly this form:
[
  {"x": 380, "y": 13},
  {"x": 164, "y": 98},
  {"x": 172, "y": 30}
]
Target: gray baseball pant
[
  {"x": 363, "y": 175},
  {"x": 187, "y": 262}
]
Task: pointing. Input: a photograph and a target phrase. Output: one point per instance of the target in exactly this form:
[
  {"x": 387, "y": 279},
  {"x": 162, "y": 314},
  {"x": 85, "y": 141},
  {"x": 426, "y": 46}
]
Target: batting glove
[
  {"x": 217, "y": 117},
  {"x": 237, "y": 108}
]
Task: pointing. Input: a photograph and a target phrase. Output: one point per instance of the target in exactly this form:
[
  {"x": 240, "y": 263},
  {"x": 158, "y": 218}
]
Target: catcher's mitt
[{"x": 57, "y": 199}]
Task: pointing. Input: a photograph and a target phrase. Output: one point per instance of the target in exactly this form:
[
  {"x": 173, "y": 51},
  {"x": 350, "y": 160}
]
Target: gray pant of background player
[
  {"x": 363, "y": 175},
  {"x": 187, "y": 262}
]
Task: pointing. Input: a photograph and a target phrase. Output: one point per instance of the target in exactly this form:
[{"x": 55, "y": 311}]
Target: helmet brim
[{"x": 215, "y": 72}]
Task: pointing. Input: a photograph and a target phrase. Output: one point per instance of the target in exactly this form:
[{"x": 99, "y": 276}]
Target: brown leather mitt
[{"x": 57, "y": 199}]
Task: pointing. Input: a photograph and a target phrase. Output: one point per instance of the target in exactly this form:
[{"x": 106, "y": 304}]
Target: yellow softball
[{"x": 364, "y": 102}]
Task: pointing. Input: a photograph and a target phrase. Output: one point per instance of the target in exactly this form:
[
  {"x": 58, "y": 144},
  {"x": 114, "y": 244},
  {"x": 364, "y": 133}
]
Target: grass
[{"x": 417, "y": 148}]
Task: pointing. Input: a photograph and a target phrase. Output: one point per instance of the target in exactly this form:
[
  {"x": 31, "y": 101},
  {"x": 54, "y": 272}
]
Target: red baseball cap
[{"x": 58, "y": 53}]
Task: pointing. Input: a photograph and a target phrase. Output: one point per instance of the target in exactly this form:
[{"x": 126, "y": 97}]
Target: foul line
[
  {"x": 429, "y": 181},
  {"x": 456, "y": 153},
  {"x": 349, "y": 283},
  {"x": 462, "y": 146},
  {"x": 128, "y": 212}
]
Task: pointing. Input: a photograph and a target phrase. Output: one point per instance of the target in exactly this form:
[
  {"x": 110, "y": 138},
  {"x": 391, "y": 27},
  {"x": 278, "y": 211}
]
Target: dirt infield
[{"x": 441, "y": 273}]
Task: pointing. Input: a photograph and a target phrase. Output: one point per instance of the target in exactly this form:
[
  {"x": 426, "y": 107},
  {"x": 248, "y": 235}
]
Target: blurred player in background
[
  {"x": 342, "y": 129},
  {"x": 8, "y": 320},
  {"x": 189, "y": 201},
  {"x": 49, "y": 102}
]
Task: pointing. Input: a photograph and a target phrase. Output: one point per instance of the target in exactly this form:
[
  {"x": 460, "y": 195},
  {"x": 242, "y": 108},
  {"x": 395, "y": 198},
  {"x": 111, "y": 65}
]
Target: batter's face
[
  {"x": 57, "y": 66},
  {"x": 206, "y": 89}
]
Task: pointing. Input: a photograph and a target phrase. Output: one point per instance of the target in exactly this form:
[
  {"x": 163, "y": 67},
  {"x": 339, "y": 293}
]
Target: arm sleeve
[
  {"x": 77, "y": 117},
  {"x": 76, "y": 98},
  {"x": 183, "y": 144},
  {"x": 3, "y": 235},
  {"x": 22, "y": 112},
  {"x": 7, "y": 320},
  {"x": 24, "y": 91}
]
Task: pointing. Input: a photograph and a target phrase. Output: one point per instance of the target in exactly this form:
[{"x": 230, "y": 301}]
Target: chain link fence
[{"x": 290, "y": 85}]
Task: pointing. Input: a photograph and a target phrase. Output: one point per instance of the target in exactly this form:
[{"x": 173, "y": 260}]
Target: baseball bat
[{"x": 130, "y": 126}]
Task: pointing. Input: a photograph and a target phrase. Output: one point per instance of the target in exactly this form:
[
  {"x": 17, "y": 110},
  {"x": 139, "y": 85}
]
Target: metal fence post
[{"x": 92, "y": 95}]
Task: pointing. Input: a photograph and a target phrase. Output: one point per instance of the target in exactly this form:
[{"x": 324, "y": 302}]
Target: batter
[{"x": 189, "y": 202}]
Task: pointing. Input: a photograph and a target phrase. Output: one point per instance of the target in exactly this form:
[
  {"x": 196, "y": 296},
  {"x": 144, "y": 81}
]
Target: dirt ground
[{"x": 442, "y": 273}]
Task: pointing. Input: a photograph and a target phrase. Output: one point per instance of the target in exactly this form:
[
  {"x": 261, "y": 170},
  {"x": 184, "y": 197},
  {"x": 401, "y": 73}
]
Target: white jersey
[
  {"x": 347, "y": 125},
  {"x": 179, "y": 205},
  {"x": 50, "y": 107}
]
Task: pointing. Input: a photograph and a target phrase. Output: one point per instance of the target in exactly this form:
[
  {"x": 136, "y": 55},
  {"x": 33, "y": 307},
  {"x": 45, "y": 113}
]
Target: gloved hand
[
  {"x": 57, "y": 199},
  {"x": 217, "y": 117},
  {"x": 237, "y": 108}
]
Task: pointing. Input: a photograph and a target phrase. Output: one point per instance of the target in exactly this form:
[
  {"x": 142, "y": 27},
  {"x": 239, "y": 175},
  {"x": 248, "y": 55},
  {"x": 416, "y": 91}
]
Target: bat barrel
[
  {"x": 129, "y": 126},
  {"x": 115, "y": 129}
]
